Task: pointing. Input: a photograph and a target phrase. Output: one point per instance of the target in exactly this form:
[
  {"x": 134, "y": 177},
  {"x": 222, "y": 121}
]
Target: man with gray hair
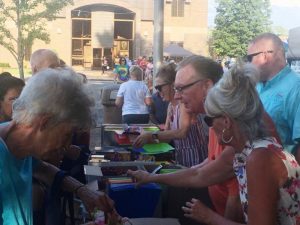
[
  {"x": 42, "y": 59},
  {"x": 279, "y": 88},
  {"x": 43, "y": 124}
]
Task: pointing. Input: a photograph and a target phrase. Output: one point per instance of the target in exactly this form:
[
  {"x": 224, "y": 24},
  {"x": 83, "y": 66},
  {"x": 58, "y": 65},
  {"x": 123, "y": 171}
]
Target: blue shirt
[
  {"x": 281, "y": 99},
  {"x": 15, "y": 188}
]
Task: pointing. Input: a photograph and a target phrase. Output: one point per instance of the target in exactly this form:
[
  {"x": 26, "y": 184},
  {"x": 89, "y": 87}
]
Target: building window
[{"x": 178, "y": 8}]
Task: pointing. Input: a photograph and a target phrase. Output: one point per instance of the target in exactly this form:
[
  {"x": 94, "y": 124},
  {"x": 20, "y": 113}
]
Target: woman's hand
[
  {"x": 198, "y": 211},
  {"x": 139, "y": 176},
  {"x": 142, "y": 139},
  {"x": 95, "y": 200}
]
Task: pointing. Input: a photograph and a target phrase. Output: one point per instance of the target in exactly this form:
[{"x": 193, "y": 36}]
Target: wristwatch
[{"x": 155, "y": 137}]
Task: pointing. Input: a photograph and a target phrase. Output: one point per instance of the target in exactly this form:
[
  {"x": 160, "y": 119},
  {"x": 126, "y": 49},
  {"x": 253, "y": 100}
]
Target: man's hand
[{"x": 139, "y": 176}]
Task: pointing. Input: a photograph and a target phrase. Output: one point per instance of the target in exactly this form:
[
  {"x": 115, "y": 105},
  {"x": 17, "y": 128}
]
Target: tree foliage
[
  {"x": 23, "y": 21},
  {"x": 237, "y": 22}
]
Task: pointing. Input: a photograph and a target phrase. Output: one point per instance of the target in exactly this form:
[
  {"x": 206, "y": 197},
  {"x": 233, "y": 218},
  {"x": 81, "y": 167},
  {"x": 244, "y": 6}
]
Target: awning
[
  {"x": 174, "y": 50},
  {"x": 294, "y": 44}
]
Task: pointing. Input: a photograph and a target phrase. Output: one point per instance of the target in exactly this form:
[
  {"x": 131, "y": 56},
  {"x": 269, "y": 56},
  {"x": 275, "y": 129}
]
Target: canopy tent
[
  {"x": 174, "y": 50},
  {"x": 294, "y": 44}
]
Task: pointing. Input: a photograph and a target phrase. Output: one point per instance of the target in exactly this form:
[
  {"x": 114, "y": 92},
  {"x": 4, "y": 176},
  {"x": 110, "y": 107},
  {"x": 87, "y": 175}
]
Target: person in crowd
[
  {"x": 188, "y": 132},
  {"x": 149, "y": 74},
  {"x": 43, "y": 123},
  {"x": 278, "y": 88},
  {"x": 268, "y": 176},
  {"x": 143, "y": 64},
  {"x": 104, "y": 64},
  {"x": 134, "y": 97},
  {"x": 216, "y": 171},
  {"x": 121, "y": 71},
  {"x": 43, "y": 58},
  {"x": 10, "y": 89},
  {"x": 75, "y": 156},
  {"x": 158, "y": 110}
]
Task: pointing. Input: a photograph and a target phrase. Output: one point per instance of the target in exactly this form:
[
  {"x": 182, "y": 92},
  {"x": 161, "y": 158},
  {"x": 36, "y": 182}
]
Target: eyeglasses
[
  {"x": 180, "y": 89},
  {"x": 250, "y": 56},
  {"x": 209, "y": 120},
  {"x": 159, "y": 87}
]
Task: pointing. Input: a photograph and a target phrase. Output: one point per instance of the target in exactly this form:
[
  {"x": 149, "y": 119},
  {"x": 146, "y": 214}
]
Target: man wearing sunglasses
[{"x": 278, "y": 88}]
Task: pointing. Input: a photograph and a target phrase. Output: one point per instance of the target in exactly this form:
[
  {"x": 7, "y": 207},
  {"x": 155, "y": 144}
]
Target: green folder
[{"x": 152, "y": 149}]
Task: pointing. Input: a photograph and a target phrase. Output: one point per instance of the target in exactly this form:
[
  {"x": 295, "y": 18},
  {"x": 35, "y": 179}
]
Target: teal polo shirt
[{"x": 281, "y": 99}]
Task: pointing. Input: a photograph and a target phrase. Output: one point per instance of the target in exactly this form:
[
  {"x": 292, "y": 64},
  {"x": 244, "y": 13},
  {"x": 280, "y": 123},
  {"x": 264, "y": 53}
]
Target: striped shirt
[{"x": 193, "y": 149}]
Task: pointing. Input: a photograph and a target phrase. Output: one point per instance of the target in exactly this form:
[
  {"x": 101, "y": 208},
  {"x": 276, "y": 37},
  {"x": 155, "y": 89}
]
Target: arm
[
  {"x": 119, "y": 101},
  {"x": 196, "y": 210},
  {"x": 167, "y": 135},
  {"x": 168, "y": 119},
  {"x": 265, "y": 173},
  {"x": 91, "y": 199},
  {"x": 214, "y": 172},
  {"x": 148, "y": 101},
  {"x": 115, "y": 72}
]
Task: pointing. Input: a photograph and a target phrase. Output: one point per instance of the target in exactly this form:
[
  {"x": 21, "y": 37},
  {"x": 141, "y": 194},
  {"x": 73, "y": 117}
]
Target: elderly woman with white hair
[
  {"x": 134, "y": 97},
  {"x": 50, "y": 106},
  {"x": 268, "y": 176}
]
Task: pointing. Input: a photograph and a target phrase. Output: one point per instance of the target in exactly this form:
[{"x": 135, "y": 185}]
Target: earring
[{"x": 223, "y": 139}]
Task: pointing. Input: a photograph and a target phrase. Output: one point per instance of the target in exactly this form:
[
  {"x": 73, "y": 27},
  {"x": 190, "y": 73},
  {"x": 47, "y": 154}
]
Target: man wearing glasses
[
  {"x": 278, "y": 88},
  {"x": 195, "y": 76}
]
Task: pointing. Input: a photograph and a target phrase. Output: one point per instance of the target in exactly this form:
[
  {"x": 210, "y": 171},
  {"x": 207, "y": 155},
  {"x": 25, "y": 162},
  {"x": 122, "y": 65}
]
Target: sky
[{"x": 285, "y": 13}]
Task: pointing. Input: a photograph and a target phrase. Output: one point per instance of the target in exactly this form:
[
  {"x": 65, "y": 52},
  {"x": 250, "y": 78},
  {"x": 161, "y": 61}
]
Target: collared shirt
[{"x": 281, "y": 99}]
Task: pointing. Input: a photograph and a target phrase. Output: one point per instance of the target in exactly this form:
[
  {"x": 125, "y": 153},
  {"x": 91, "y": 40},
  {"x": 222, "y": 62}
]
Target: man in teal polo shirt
[{"x": 279, "y": 88}]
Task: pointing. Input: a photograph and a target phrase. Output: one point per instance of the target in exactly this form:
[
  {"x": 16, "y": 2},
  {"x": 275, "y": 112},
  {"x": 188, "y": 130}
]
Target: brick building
[{"x": 90, "y": 29}]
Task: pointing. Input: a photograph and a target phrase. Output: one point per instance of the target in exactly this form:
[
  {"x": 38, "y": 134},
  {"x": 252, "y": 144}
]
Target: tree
[
  {"x": 23, "y": 21},
  {"x": 238, "y": 22}
]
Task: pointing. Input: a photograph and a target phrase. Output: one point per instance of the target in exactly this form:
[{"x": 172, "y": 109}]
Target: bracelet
[{"x": 76, "y": 189}]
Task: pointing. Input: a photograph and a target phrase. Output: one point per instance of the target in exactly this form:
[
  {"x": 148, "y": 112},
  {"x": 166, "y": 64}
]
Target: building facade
[{"x": 90, "y": 29}]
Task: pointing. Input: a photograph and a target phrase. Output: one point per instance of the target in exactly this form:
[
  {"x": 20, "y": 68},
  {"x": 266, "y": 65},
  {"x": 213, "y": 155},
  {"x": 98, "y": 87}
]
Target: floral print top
[{"x": 289, "y": 200}]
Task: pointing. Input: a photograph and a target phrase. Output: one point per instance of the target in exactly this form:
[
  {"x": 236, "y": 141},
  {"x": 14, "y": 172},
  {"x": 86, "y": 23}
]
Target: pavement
[{"x": 96, "y": 74}]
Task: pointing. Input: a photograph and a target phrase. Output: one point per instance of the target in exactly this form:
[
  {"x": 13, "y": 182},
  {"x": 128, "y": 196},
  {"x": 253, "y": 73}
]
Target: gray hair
[
  {"x": 58, "y": 93},
  {"x": 235, "y": 95},
  {"x": 167, "y": 73},
  {"x": 204, "y": 66},
  {"x": 136, "y": 71}
]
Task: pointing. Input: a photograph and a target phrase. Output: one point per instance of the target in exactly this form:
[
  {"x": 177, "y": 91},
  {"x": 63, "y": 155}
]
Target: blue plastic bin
[{"x": 135, "y": 202}]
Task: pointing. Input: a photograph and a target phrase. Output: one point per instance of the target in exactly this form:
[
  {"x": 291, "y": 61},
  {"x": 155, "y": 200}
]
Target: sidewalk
[{"x": 96, "y": 74}]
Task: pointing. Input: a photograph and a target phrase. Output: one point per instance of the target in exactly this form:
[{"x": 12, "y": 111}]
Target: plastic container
[{"x": 135, "y": 202}]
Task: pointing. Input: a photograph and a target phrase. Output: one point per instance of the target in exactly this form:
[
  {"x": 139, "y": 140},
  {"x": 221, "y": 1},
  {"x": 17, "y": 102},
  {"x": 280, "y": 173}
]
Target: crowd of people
[{"x": 236, "y": 132}]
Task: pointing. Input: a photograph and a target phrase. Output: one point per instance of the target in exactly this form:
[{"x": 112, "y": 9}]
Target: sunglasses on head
[
  {"x": 210, "y": 119},
  {"x": 159, "y": 87},
  {"x": 249, "y": 57}
]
